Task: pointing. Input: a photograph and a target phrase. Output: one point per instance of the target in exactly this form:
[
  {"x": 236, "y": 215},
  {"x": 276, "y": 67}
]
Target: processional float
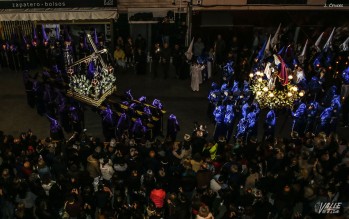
[{"x": 91, "y": 80}]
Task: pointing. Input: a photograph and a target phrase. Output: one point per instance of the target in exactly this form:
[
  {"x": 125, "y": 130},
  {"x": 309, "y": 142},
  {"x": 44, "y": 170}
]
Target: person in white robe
[
  {"x": 196, "y": 76},
  {"x": 299, "y": 75}
]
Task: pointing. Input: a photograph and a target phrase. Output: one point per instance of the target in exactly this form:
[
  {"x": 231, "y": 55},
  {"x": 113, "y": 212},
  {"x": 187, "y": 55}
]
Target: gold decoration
[{"x": 273, "y": 98}]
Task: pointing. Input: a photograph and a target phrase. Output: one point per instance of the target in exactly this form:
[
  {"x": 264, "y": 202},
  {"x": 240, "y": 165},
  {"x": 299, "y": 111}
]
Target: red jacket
[{"x": 158, "y": 197}]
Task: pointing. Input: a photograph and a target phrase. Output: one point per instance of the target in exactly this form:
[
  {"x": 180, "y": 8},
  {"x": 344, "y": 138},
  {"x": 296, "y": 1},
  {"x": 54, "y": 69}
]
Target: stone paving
[{"x": 176, "y": 96}]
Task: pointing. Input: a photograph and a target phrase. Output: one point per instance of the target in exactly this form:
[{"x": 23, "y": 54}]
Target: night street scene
[{"x": 174, "y": 109}]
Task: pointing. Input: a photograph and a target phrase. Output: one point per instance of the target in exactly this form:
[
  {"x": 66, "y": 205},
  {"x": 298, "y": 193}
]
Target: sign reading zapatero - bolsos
[{"x": 27, "y": 4}]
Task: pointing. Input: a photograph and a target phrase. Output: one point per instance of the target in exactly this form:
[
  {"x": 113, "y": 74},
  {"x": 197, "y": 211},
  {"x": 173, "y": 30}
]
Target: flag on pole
[
  {"x": 328, "y": 44},
  {"x": 57, "y": 33},
  {"x": 301, "y": 57},
  {"x": 267, "y": 48},
  {"x": 275, "y": 38},
  {"x": 317, "y": 43},
  {"x": 344, "y": 46},
  {"x": 189, "y": 52},
  {"x": 44, "y": 35},
  {"x": 283, "y": 76},
  {"x": 260, "y": 55}
]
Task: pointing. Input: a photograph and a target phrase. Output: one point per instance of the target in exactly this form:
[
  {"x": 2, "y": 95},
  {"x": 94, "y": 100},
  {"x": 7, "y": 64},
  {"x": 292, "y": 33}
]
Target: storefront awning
[{"x": 59, "y": 14}]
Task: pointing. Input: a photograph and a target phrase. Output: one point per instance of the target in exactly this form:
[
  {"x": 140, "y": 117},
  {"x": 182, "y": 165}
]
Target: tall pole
[{"x": 189, "y": 22}]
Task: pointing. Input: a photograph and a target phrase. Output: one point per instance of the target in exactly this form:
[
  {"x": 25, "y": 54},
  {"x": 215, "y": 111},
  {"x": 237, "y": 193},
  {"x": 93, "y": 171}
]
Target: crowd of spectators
[
  {"x": 196, "y": 177},
  {"x": 193, "y": 177}
]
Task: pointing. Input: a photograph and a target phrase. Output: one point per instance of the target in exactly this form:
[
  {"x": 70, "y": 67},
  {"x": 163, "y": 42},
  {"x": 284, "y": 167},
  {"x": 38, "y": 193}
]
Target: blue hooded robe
[
  {"x": 299, "y": 119},
  {"x": 56, "y": 132},
  {"x": 326, "y": 120},
  {"x": 122, "y": 125},
  {"x": 75, "y": 120},
  {"x": 311, "y": 113},
  {"x": 229, "y": 119},
  {"x": 172, "y": 127},
  {"x": 252, "y": 118},
  {"x": 138, "y": 129},
  {"x": 269, "y": 125},
  {"x": 108, "y": 123},
  {"x": 220, "y": 128},
  {"x": 242, "y": 128}
]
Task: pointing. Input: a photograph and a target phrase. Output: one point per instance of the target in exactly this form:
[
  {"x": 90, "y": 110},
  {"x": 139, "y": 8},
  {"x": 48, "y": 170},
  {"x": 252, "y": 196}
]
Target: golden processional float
[{"x": 95, "y": 89}]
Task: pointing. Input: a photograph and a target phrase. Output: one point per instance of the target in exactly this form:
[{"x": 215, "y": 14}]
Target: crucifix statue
[
  {"x": 96, "y": 55},
  {"x": 96, "y": 81}
]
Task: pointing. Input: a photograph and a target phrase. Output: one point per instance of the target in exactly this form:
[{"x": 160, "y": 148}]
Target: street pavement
[{"x": 176, "y": 95}]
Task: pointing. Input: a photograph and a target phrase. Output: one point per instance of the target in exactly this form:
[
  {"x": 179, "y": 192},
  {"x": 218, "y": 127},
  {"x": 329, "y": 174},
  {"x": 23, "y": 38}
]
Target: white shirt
[{"x": 107, "y": 171}]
